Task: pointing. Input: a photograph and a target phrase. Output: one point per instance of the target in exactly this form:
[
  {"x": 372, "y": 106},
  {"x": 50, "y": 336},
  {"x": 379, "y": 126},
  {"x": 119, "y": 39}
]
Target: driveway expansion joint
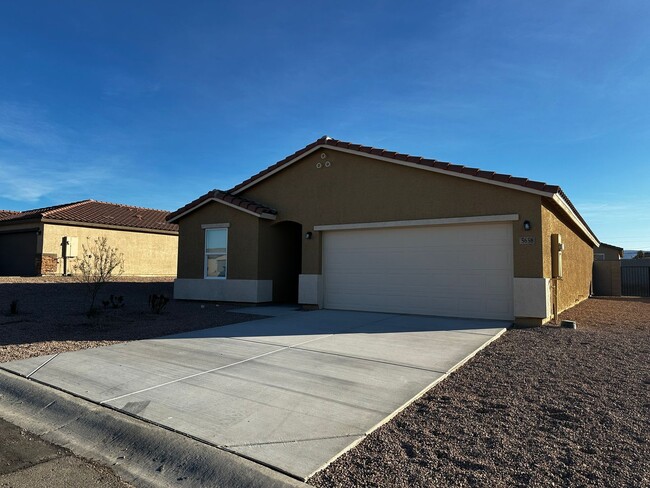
[
  {"x": 201, "y": 373},
  {"x": 50, "y": 359},
  {"x": 292, "y": 441}
]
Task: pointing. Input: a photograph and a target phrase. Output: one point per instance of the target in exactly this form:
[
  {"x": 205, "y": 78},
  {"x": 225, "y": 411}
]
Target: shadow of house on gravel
[{"x": 57, "y": 312}]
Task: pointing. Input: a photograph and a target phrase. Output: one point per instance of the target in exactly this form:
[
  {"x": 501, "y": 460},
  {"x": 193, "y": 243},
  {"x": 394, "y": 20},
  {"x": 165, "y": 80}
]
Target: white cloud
[
  {"x": 621, "y": 223},
  {"x": 26, "y": 125},
  {"x": 39, "y": 158},
  {"x": 30, "y": 182}
]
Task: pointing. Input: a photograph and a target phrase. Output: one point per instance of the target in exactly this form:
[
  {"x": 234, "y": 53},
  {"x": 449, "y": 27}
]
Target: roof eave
[
  {"x": 263, "y": 215},
  {"x": 237, "y": 190},
  {"x": 95, "y": 225},
  {"x": 557, "y": 198}
]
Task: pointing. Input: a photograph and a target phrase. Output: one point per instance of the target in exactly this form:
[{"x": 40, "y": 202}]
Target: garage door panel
[{"x": 463, "y": 270}]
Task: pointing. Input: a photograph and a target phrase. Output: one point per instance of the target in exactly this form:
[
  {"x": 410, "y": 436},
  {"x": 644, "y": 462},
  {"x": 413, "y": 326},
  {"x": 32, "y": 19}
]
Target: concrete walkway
[{"x": 292, "y": 392}]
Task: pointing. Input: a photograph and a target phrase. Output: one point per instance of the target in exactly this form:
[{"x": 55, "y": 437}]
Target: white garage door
[{"x": 454, "y": 270}]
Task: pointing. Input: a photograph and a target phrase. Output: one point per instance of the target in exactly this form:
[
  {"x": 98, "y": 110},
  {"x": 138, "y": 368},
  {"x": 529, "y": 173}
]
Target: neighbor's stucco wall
[
  {"x": 243, "y": 242},
  {"x": 359, "y": 189},
  {"x": 145, "y": 254},
  {"x": 577, "y": 257},
  {"x": 610, "y": 254}
]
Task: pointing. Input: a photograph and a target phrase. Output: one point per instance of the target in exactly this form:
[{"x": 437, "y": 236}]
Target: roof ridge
[
  {"x": 128, "y": 206},
  {"x": 226, "y": 197},
  {"x": 450, "y": 168},
  {"x": 65, "y": 206}
]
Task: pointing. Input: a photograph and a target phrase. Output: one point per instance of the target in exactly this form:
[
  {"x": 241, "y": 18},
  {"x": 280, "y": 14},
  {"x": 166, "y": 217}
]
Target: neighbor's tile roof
[
  {"x": 7, "y": 214},
  {"x": 243, "y": 203},
  {"x": 93, "y": 212},
  {"x": 418, "y": 160}
]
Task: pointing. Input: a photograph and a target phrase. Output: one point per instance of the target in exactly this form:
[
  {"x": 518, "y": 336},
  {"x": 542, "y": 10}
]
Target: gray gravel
[
  {"x": 539, "y": 407},
  {"x": 52, "y": 316}
]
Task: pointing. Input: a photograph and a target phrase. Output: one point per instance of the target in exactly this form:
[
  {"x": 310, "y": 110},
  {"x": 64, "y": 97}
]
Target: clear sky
[{"x": 153, "y": 103}]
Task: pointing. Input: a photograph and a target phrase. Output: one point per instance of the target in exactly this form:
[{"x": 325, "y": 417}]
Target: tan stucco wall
[
  {"x": 577, "y": 257},
  {"x": 145, "y": 254},
  {"x": 609, "y": 253},
  {"x": 358, "y": 189},
  {"x": 242, "y": 241}
]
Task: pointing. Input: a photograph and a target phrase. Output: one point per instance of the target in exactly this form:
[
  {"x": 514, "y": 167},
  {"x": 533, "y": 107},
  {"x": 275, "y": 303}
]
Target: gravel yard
[
  {"x": 539, "y": 407},
  {"x": 51, "y": 315}
]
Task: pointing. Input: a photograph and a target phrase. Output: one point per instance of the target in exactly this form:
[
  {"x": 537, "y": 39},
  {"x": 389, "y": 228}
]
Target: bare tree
[{"x": 98, "y": 264}]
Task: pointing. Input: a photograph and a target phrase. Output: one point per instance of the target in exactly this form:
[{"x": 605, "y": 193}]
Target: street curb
[{"x": 141, "y": 453}]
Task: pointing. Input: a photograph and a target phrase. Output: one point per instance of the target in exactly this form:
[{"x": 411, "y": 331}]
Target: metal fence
[{"x": 635, "y": 281}]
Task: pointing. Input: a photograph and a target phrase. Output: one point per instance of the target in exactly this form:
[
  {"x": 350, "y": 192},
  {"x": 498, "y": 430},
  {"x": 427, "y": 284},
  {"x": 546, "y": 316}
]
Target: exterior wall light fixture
[
  {"x": 527, "y": 225},
  {"x": 308, "y": 235}
]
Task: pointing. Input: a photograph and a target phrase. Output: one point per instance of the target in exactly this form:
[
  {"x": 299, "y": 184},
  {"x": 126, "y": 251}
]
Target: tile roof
[
  {"x": 232, "y": 195},
  {"x": 226, "y": 197},
  {"x": 7, "y": 214},
  {"x": 604, "y": 244},
  {"x": 418, "y": 160},
  {"x": 452, "y": 169},
  {"x": 94, "y": 212},
  {"x": 243, "y": 203}
]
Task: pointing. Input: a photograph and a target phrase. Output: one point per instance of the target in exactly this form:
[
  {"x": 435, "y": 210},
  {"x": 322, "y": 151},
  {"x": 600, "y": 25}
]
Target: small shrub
[
  {"x": 13, "y": 307},
  {"x": 158, "y": 302},
  {"x": 98, "y": 264},
  {"x": 114, "y": 301}
]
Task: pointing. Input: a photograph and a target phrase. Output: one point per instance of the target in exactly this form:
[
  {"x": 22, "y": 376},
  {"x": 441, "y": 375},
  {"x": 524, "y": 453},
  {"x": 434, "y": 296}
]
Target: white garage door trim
[
  {"x": 422, "y": 222},
  {"x": 463, "y": 270}
]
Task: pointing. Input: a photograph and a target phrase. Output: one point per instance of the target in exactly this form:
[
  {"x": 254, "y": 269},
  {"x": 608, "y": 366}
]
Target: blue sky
[{"x": 154, "y": 103}]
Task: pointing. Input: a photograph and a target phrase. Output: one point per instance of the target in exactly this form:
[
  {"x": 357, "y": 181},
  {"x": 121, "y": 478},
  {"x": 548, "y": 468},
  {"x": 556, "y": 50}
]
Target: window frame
[{"x": 207, "y": 228}]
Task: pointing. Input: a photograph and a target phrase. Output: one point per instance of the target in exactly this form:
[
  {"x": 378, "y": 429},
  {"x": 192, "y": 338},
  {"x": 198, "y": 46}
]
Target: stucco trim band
[
  {"x": 532, "y": 298},
  {"x": 247, "y": 291},
  {"x": 310, "y": 289},
  {"x": 422, "y": 222},
  {"x": 215, "y": 226}
]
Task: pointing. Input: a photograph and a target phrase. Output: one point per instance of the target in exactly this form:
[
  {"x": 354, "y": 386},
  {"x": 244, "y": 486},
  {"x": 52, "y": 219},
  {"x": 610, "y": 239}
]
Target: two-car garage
[{"x": 461, "y": 270}]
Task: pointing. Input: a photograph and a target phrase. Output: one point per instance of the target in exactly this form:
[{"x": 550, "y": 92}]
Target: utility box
[
  {"x": 70, "y": 247},
  {"x": 557, "y": 247}
]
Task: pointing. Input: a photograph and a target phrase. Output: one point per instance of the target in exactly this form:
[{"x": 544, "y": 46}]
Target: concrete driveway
[{"x": 292, "y": 392}]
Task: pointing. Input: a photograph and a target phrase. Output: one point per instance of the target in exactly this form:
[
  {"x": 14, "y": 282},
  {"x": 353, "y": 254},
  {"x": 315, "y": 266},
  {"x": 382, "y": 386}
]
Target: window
[{"x": 216, "y": 253}]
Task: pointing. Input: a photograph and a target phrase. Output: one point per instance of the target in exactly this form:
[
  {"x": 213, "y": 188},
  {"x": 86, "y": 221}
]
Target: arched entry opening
[{"x": 287, "y": 260}]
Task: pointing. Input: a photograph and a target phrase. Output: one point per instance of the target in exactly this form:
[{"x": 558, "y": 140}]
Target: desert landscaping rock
[
  {"x": 539, "y": 407},
  {"x": 51, "y": 315}
]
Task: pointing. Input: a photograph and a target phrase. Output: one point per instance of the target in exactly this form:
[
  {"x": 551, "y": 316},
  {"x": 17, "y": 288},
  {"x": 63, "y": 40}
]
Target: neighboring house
[
  {"x": 607, "y": 270},
  {"x": 47, "y": 241},
  {"x": 607, "y": 252},
  {"x": 344, "y": 226}
]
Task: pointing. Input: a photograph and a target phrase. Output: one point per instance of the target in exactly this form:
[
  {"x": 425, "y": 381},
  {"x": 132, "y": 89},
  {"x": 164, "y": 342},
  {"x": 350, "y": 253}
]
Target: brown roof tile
[
  {"x": 488, "y": 176},
  {"x": 7, "y": 214},
  {"x": 225, "y": 197},
  {"x": 328, "y": 141},
  {"x": 103, "y": 213}
]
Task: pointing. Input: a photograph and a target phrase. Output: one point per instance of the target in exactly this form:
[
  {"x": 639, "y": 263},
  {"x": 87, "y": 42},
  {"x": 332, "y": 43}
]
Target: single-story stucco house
[
  {"x": 47, "y": 241},
  {"x": 344, "y": 226},
  {"x": 607, "y": 252}
]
